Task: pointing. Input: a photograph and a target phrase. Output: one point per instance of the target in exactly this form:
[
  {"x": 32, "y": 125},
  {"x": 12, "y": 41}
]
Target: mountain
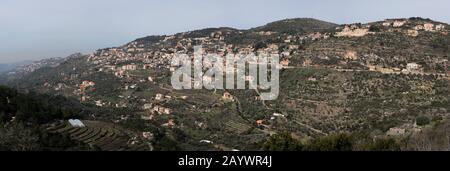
[
  {"x": 12, "y": 66},
  {"x": 4, "y": 67},
  {"x": 373, "y": 86},
  {"x": 297, "y": 25},
  {"x": 18, "y": 70}
]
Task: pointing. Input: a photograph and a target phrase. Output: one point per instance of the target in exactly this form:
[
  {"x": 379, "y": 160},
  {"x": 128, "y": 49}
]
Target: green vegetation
[
  {"x": 422, "y": 121},
  {"x": 335, "y": 142},
  {"x": 21, "y": 117},
  {"x": 294, "y": 26},
  {"x": 283, "y": 142},
  {"x": 36, "y": 109}
]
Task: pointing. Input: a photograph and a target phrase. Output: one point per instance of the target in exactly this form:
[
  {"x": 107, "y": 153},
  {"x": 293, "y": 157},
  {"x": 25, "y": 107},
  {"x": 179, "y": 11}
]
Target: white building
[
  {"x": 76, "y": 123},
  {"x": 428, "y": 27},
  {"x": 399, "y": 23},
  {"x": 440, "y": 27},
  {"x": 412, "y": 67}
]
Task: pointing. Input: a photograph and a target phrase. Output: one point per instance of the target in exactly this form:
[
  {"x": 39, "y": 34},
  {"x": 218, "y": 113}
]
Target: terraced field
[{"x": 103, "y": 136}]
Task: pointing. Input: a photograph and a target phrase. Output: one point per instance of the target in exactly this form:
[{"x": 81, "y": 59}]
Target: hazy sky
[{"x": 35, "y": 29}]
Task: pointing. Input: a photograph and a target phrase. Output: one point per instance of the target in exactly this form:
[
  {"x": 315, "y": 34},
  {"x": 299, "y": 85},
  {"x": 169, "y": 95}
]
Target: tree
[
  {"x": 282, "y": 142},
  {"x": 384, "y": 144},
  {"x": 374, "y": 28},
  {"x": 167, "y": 144},
  {"x": 260, "y": 45},
  {"x": 338, "y": 142},
  {"x": 16, "y": 137},
  {"x": 3, "y": 117},
  {"x": 422, "y": 121}
]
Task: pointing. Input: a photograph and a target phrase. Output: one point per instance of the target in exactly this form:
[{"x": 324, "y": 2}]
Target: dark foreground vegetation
[{"x": 22, "y": 117}]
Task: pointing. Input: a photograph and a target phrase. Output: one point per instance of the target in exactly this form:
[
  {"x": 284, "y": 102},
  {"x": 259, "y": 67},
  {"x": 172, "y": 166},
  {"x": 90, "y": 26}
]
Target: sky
[{"x": 31, "y": 29}]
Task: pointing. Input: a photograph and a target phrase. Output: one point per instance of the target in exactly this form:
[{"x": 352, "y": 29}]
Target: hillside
[
  {"x": 37, "y": 122},
  {"x": 5, "y": 67},
  {"x": 21, "y": 116},
  {"x": 11, "y": 66},
  {"x": 297, "y": 25},
  {"x": 386, "y": 79}
]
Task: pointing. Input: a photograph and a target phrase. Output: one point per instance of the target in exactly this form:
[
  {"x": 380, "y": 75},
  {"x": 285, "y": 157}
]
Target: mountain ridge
[{"x": 294, "y": 25}]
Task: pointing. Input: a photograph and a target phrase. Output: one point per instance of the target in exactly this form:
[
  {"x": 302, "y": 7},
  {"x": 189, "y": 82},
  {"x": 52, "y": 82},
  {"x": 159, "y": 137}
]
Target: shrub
[
  {"x": 338, "y": 142},
  {"x": 282, "y": 142},
  {"x": 422, "y": 120},
  {"x": 387, "y": 144}
]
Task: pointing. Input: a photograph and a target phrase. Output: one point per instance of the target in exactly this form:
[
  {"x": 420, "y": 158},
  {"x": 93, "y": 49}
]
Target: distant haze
[{"x": 33, "y": 29}]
